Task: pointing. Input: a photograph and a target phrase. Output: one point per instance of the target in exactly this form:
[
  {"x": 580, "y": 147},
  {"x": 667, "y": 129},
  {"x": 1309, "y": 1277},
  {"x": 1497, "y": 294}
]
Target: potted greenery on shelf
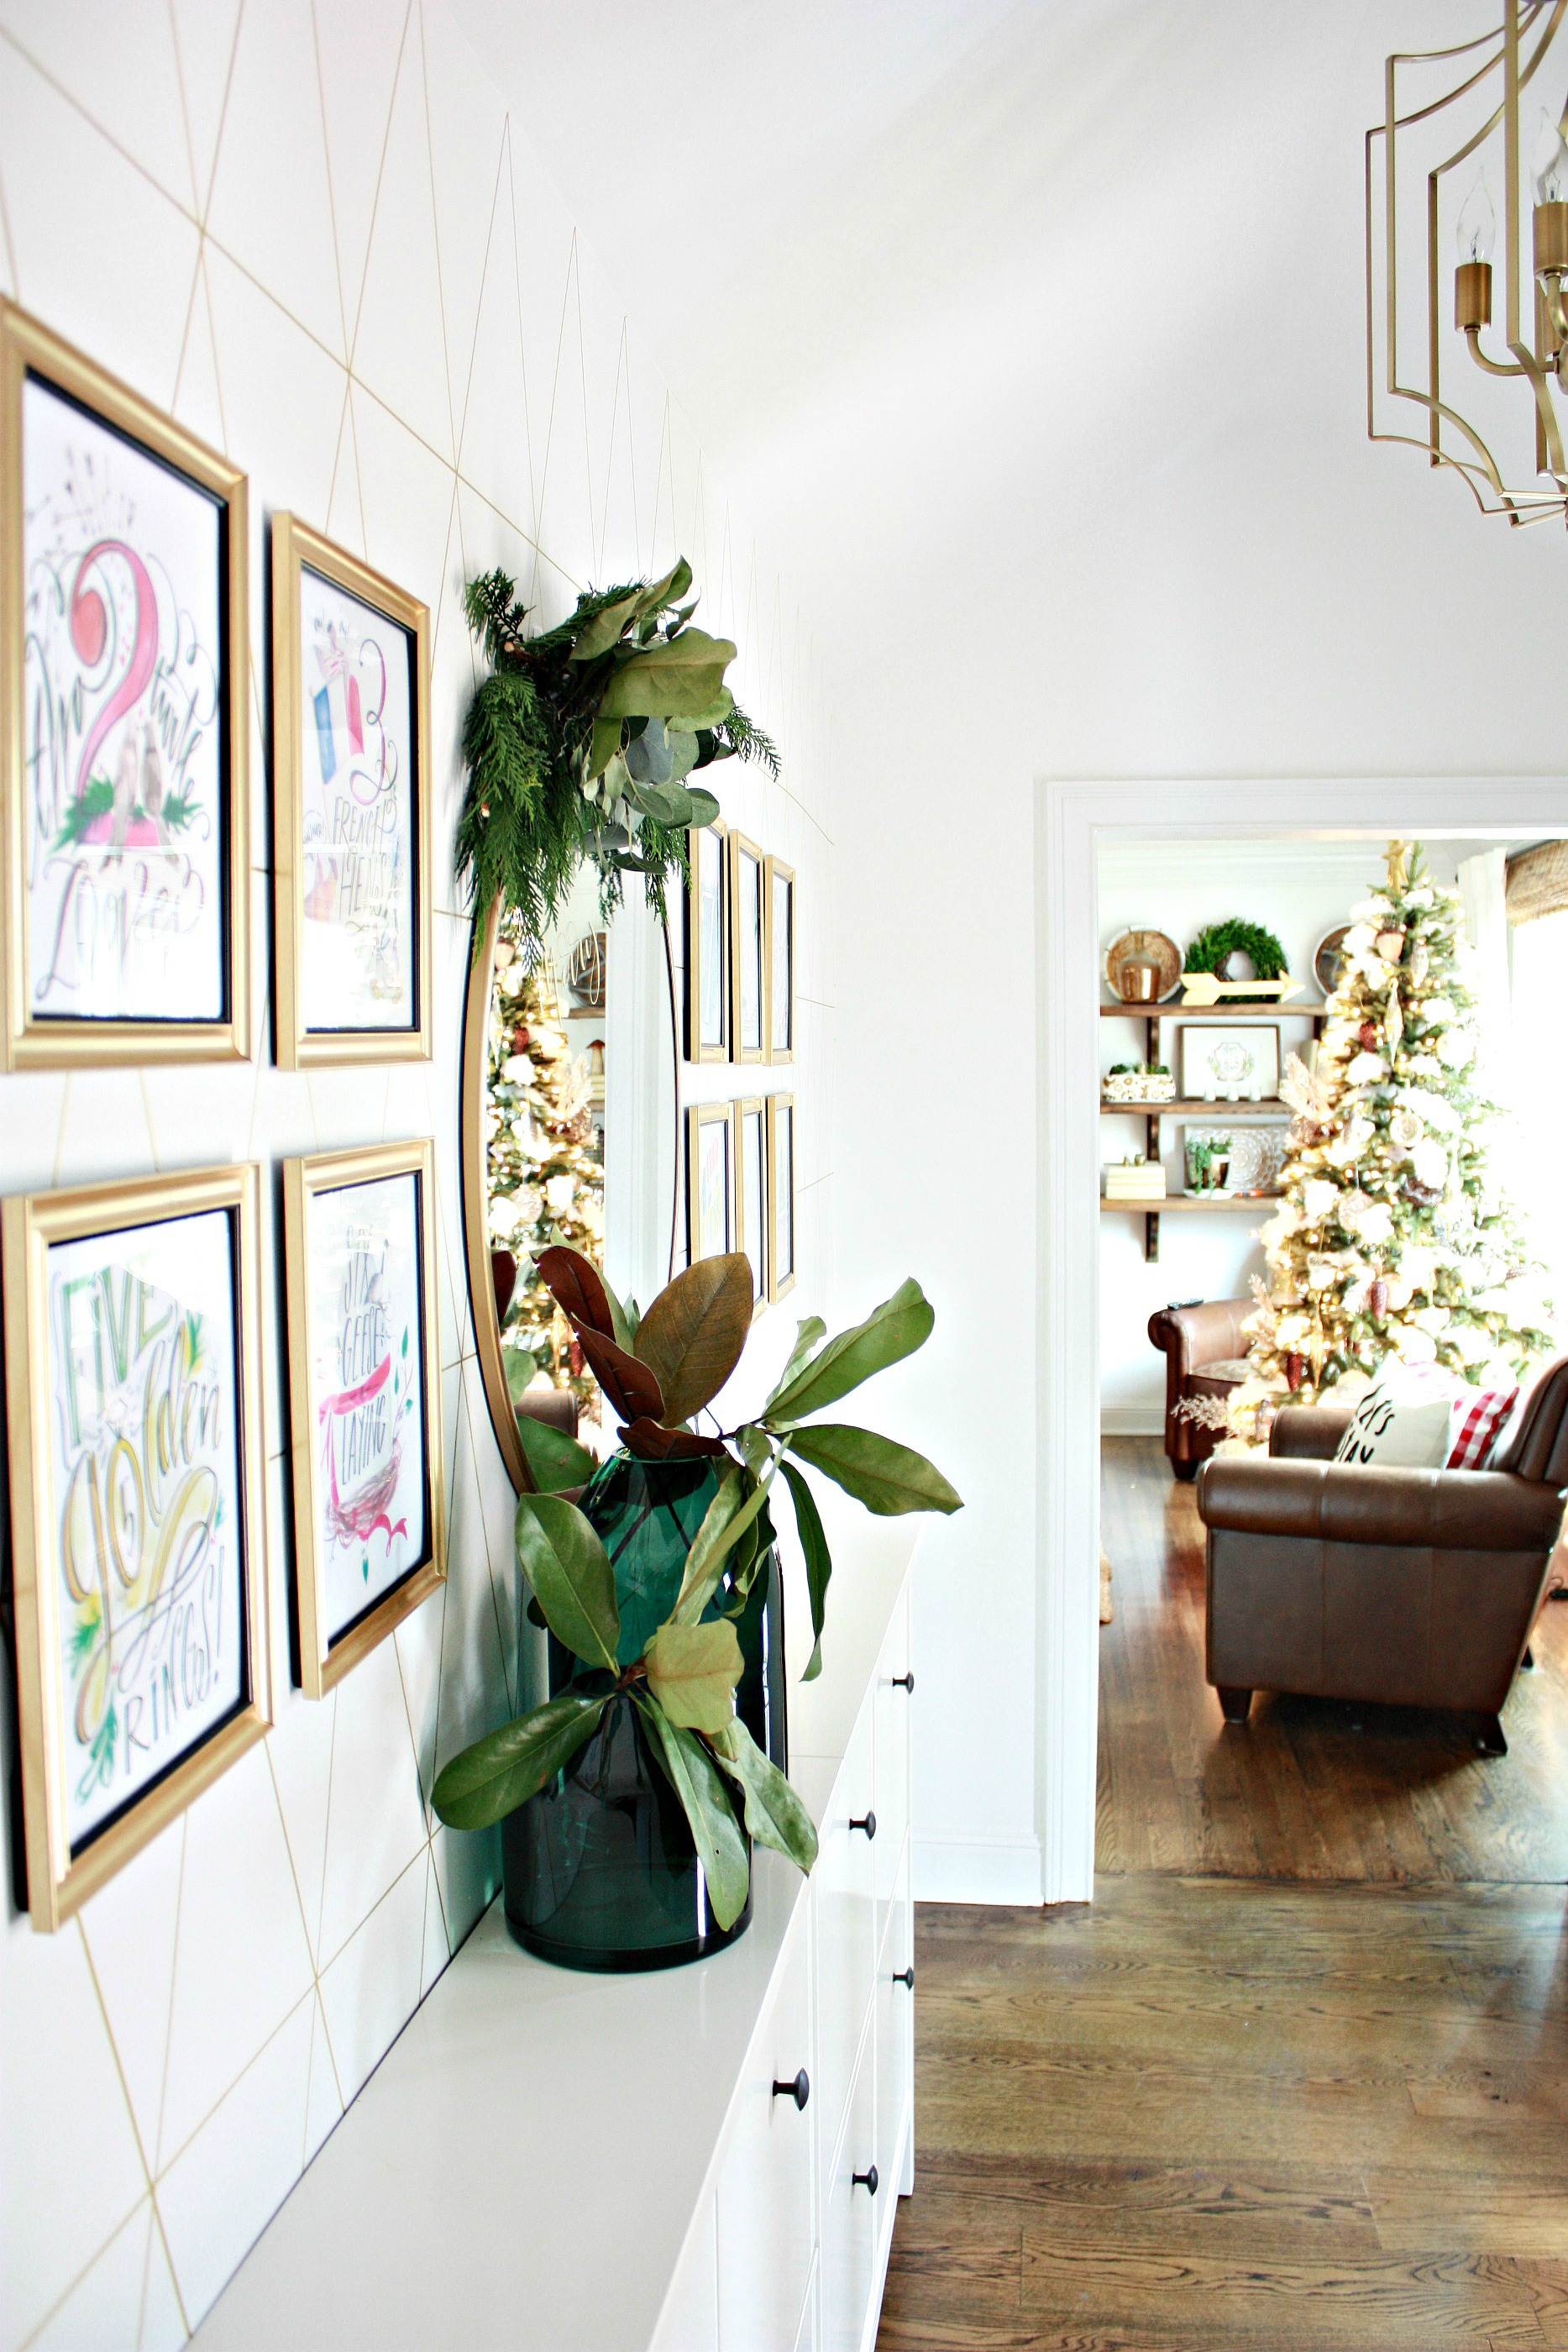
[{"x": 629, "y": 1798}]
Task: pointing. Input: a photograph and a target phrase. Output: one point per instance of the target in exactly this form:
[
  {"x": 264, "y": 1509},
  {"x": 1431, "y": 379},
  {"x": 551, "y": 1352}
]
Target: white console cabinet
[{"x": 572, "y": 2163}]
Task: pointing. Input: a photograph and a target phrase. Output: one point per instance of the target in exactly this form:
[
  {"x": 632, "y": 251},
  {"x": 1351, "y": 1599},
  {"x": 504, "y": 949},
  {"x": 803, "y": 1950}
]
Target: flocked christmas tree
[
  {"x": 1393, "y": 1237},
  {"x": 545, "y": 1162}
]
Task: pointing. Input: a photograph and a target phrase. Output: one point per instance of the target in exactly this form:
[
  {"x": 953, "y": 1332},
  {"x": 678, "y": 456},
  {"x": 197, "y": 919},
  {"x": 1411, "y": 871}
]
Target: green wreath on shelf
[{"x": 1213, "y": 948}]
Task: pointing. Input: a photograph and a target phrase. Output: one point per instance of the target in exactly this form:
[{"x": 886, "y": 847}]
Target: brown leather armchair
[
  {"x": 1205, "y": 1356},
  {"x": 1415, "y": 1588}
]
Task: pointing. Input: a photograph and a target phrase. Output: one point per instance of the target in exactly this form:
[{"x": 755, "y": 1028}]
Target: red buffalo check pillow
[{"x": 1479, "y": 1416}]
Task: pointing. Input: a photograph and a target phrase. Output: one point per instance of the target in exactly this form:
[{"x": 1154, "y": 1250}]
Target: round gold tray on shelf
[{"x": 1141, "y": 946}]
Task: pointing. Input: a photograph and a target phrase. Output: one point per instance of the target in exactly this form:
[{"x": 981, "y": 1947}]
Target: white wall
[
  {"x": 1298, "y": 890},
  {"x": 312, "y": 229}
]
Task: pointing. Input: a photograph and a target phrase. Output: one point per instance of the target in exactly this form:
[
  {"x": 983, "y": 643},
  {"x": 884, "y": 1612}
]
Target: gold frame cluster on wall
[
  {"x": 134, "y": 1345},
  {"x": 742, "y": 1155}
]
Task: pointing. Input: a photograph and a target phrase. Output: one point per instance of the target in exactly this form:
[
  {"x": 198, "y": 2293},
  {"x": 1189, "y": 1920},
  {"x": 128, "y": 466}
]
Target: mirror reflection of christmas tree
[
  {"x": 545, "y": 1164},
  {"x": 1395, "y": 1237}
]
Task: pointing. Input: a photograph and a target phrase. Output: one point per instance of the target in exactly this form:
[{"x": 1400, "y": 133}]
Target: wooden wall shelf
[
  {"x": 1151, "y": 1212},
  {"x": 1248, "y": 1010},
  {"x": 1264, "y": 1104}
]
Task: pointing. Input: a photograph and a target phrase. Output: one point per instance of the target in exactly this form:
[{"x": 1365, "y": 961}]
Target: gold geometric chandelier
[{"x": 1468, "y": 133}]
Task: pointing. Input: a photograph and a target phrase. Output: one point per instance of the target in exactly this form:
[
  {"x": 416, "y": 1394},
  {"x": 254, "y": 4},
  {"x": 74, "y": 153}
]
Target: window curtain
[{"x": 1484, "y": 890}]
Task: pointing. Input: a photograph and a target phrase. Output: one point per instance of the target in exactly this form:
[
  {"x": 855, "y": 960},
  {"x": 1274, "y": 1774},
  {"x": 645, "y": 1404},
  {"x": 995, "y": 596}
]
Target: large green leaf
[
  {"x": 774, "y": 1813},
  {"x": 603, "y": 630},
  {"x": 818, "y": 1561},
  {"x": 554, "y": 1459},
  {"x": 807, "y": 1334},
  {"x": 693, "y": 1671},
  {"x": 667, "y": 804},
  {"x": 667, "y": 591},
  {"x": 726, "y": 1520},
  {"x": 694, "y": 1778},
  {"x": 718, "y": 710},
  {"x": 572, "y": 1579},
  {"x": 692, "y": 1337},
  {"x": 507, "y": 1766},
  {"x": 668, "y": 679},
  {"x": 603, "y": 744},
  {"x": 705, "y": 806},
  {"x": 895, "y": 1328},
  {"x": 887, "y": 1478}
]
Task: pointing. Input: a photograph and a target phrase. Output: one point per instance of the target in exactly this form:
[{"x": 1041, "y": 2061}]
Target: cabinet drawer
[
  {"x": 851, "y": 2215},
  {"x": 689, "y": 2321},
  {"x": 895, "y": 2037},
  {"x": 765, "y": 2220},
  {"x": 846, "y": 1927},
  {"x": 806, "y": 2340},
  {"x": 891, "y": 1708}
]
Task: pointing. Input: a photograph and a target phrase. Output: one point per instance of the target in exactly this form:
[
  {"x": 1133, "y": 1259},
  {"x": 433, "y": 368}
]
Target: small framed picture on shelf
[
  {"x": 133, "y": 1406},
  {"x": 125, "y": 850},
  {"x": 1235, "y": 1062},
  {"x": 751, "y": 1194},
  {"x": 778, "y": 957},
  {"x": 747, "y": 1032},
  {"x": 707, "y": 945},
  {"x": 364, "y": 1400},
  {"x": 351, "y": 711},
  {"x": 782, "y": 1222},
  {"x": 710, "y": 1180}
]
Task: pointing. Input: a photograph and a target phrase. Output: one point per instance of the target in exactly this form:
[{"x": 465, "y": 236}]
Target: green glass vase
[{"x": 599, "y": 1869}]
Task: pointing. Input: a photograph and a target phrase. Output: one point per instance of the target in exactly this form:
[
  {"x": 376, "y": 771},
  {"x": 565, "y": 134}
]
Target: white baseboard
[
  {"x": 979, "y": 1870},
  {"x": 1132, "y": 1421}
]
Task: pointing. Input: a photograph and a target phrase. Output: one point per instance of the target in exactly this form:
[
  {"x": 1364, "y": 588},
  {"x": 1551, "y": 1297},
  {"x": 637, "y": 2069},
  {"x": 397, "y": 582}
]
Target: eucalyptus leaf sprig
[
  {"x": 658, "y": 1371},
  {"x": 578, "y": 743}
]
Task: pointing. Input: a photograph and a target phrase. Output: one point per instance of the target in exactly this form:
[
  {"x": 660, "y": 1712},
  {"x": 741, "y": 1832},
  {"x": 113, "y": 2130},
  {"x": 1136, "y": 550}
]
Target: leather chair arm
[
  {"x": 1331, "y": 1502},
  {"x": 1204, "y": 1334},
  {"x": 1308, "y": 1432},
  {"x": 556, "y": 1406}
]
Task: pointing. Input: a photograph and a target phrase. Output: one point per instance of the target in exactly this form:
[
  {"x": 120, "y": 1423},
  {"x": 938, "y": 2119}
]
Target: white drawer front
[
  {"x": 689, "y": 2321},
  {"x": 851, "y": 2216},
  {"x": 766, "y": 2237},
  {"x": 892, "y": 1710},
  {"x": 846, "y": 1929},
  {"x": 808, "y": 2339},
  {"x": 895, "y": 2037}
]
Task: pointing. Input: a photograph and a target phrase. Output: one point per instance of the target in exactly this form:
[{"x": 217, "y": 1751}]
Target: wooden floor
[
  {"x": 1299, "y": 2078},
  {"x": 1310, "y": 1787}
]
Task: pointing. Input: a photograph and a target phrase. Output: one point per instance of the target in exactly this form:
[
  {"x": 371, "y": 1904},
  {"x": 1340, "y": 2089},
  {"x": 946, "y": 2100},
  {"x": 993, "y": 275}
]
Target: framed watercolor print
[
  {"x": 1235, "y": 1063},
  {"x": 710, "y": 1180},
  {"x": 364, "y": 1400},
  {"x": 782, "y": 1221},
  {"x": 707, "y": 946},
  {"x": 751, "y": 1194},
  {"x": 132, "y": 1386},
  {"x": 779, "y": 958},
  {"x": 747, "y": 992},
  {"x": 351, "y": 670},
  {"x": 125, "y": 842}
]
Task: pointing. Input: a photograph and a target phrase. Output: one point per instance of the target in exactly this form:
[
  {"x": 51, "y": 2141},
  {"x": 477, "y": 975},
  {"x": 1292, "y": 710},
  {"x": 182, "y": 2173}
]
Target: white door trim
[{"x": 1071, "y": 819}]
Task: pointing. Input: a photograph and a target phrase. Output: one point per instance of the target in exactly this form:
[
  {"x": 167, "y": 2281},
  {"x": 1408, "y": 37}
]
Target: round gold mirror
[{"x": 569, "y": 1134}]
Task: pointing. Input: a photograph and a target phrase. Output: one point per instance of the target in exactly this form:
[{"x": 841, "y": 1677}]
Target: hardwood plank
[
  {"x": 1211, "y": 2209},
  {"x": 1503, "y": 2213},
  {"x": 1393, "y": 2300}
]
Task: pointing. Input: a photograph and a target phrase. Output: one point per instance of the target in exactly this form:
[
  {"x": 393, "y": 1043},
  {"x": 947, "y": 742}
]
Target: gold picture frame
[
  {"x": 139, "y": 862},
  {"x": 703, "y": 1237},
  {"x": 778, "y": 886},
  {"x": 301, "y": 1043},
  {"x": 783, "y": 1196},
  {"x": 323, "y": 1655},
  {"x": 148, "y": 1470},
  {"x": 747, "y": 989},
  {"x": 751, "y": 1219},
  {"x": 707, "y": 972}
]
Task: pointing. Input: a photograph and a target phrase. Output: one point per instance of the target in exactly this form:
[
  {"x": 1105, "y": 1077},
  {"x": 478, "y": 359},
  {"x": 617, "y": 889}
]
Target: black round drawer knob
[
  {"x": 866, "y": 2180},
  {"x": 867, "y": 1822},
  {"x": 904, "y": 1682},
  {"x": 906, "y": 1976},
  {"x": 800, "y": 2090}
]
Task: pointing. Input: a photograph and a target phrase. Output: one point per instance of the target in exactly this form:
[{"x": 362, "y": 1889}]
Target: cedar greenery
[{"x": 578, "y": 742}]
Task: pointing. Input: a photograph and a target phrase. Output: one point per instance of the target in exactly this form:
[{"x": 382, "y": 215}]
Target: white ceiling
[{"x": 1052, "y": 305}]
